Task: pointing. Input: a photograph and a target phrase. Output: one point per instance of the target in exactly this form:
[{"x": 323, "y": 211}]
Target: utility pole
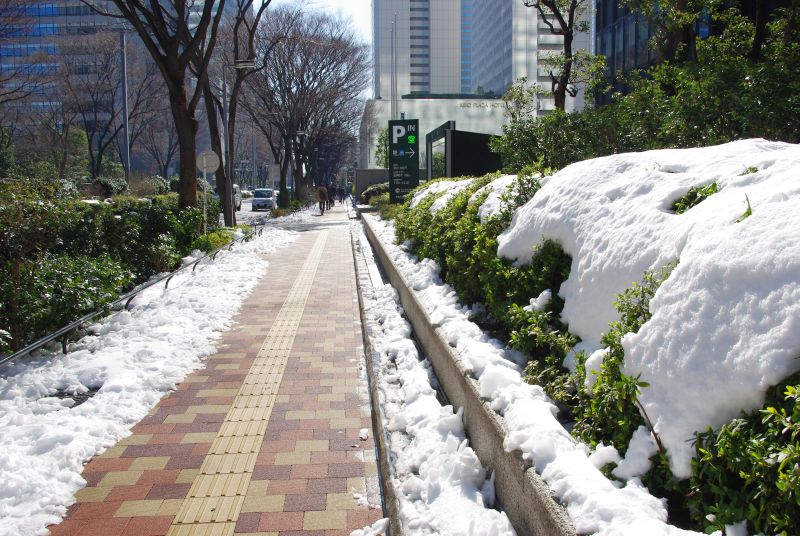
[{"x": 125, "y": 152}]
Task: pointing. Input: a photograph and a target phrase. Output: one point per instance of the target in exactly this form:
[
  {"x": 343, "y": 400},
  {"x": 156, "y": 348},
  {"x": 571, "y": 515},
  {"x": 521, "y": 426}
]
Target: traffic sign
[
  {"x": 403, "y": 158},
  {"x": 208, "y": 161}
]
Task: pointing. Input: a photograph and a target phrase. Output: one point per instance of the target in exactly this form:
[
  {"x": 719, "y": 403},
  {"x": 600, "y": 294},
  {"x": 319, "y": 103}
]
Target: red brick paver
[{"x": 309, "y": 473}]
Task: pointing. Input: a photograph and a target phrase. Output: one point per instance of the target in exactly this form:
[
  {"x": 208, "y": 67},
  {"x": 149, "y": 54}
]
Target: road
[{"x": 246, "y": 215}]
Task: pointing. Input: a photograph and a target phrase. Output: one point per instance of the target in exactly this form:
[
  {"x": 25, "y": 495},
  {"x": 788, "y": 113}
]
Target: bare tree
[
  {"x": 237, "y": 57},
  {"x": 308, "y": 89},
  {"x": 52, "y": 135},
  {"x": 91, "y": 82},
  {"x": 160, "y": 142},
  {"x": 174, "y": 32}
]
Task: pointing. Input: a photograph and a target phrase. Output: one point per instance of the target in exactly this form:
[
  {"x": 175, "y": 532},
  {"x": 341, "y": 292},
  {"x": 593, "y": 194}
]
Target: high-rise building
[
  {"x": 416, "y": 46},
  {"x": 29, "y": 48},
  {"x": 436, "y": 47},
  {"x": 452, "y": 60}
]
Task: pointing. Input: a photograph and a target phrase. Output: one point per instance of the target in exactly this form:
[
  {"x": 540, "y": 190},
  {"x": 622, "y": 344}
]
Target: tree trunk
[
  {"x": 761, "y": 31},
  {"x": 283, "y": 193},
  {"x": 560, "y": 85},
  {"x": 186, "y": 128},
  {"x": 230, "y": 148}
]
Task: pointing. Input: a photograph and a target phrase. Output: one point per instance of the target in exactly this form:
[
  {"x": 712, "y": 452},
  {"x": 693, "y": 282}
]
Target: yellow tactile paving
[
  {"x": 294, "y": 346},
  {"x": 203, "y": 529},
  {"x": 228, "y": 485},
  {"x": 216, "y": 497}
]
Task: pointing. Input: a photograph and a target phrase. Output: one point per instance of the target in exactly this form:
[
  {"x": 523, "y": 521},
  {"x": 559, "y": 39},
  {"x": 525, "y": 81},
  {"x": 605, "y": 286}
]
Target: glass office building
[
  {"x": 31, "y": 43},
  {"x": 460, "y": 47}
]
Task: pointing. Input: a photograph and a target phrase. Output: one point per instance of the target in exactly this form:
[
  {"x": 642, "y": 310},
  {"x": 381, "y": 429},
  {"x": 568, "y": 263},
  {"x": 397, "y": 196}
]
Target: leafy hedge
[
  {"x": 61, "y": 258},
  {"x": 373, "y": 191},
  {"x": 466, "y": 251},
  {"x": 722, "y": 96},
  {"x": 748, "y": 470}
]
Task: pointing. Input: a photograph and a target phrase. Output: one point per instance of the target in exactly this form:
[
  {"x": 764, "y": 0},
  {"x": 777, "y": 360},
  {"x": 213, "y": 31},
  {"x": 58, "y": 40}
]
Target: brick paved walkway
[{"x": 265, "y": 439}]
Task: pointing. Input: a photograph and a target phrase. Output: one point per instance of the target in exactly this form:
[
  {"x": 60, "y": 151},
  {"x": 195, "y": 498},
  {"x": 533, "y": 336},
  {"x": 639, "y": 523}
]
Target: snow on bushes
[
  {"x": 727, "y": 317},
  {"x": 712, "y": 338}
]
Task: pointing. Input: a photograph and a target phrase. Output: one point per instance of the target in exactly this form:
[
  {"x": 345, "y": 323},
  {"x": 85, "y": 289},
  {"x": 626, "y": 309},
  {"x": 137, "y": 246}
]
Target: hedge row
[
  {"x": 747, "y": 470},
  {"x": 61, "y": 257}
]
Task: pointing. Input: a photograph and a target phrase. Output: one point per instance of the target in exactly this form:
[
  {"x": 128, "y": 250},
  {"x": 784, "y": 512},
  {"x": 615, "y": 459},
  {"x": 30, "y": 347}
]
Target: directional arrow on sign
[{"x": 411, "y": 150}]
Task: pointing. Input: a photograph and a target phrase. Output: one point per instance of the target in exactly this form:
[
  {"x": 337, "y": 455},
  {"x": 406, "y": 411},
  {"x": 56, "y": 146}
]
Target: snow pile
[
  {"x": 443, "y": 487},
  {"x": 450, "y": 193},
  {"x": 378, "y": 528},
  {"x": 594, "y": 503},
  {"x": 299, "y": 216},
  {"x": 492, "y": 205},
  {"x": 134, "y": 357},
  {"x": 726, "y": 323},
  {"x": 435, "y": 188}
]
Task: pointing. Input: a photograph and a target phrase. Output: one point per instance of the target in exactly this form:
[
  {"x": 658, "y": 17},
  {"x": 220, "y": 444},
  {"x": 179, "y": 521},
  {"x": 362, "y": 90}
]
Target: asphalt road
[{"x": 246, "y": 215}]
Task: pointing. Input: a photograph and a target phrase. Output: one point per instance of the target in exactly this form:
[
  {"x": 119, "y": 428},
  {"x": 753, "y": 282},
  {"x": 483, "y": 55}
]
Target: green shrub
[
  {"x": 694, "y": 197},
  {"x": 374, "y": 190},
  {"x": 750, "y": 468},
  {"x": 723, "y": 96},
  {"x": 213, "y": 241},
  {"x": 54, "y": 290},
  {"x": 150, "y": 185},
  {"x": 466, "y": 251},
  {"x": 610, "y": 414},
  {"x": 41, "y": 229},
  {"x": 386, "y": 208}
]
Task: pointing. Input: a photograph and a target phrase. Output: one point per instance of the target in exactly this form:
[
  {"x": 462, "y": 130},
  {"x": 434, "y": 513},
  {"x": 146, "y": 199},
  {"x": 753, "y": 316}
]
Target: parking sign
[{"x": 403, "y": 158}]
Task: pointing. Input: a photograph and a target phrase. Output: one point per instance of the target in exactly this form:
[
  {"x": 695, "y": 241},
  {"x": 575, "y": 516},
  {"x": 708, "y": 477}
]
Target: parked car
[
  {"x": 237, "y": 198},
  {"x": 264, "y": 198}
]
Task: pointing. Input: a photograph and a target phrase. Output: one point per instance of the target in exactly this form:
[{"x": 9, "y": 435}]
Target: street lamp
[
  {"x": 126, "y": 155},
  {"x": 238, "y": 64},
  {"x": 300, "y": 134}
]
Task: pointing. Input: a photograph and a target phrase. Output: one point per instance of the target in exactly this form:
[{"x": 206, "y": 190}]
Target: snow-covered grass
[
  {"x": 133, "y": 357},
  {"x": 441, "y": 485},
  {"x": 725, "y": 325}
]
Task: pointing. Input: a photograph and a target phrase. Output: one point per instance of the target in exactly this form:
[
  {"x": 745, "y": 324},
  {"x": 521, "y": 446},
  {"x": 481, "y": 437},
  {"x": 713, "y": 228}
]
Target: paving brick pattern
[{"x": 255, "y": 443}]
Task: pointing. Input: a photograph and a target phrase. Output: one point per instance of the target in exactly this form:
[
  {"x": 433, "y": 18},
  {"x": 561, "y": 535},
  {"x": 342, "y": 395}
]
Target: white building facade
[{"x": 428, "y": 49}]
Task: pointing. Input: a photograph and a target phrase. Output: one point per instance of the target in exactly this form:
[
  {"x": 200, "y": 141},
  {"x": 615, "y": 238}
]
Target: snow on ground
[
  {"x": 729, "y": 314},
  {"x": 442, "y": 487},
  {"x": 593, "y": 502},
  {"x": 725, "y": 325},
  {"x": 134, "y": 357}
]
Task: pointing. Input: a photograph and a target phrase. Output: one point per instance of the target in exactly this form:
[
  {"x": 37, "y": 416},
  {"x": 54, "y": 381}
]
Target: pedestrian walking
[{"x": 322, "y": 197}]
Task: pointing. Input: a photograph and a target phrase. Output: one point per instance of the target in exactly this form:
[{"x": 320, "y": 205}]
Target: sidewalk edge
[
  {"x": 523, "y": 495},
  {"x": 391, "y": 504}
]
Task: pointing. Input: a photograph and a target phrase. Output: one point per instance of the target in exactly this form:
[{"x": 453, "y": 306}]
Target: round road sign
[{"x": 208, "y": 161}]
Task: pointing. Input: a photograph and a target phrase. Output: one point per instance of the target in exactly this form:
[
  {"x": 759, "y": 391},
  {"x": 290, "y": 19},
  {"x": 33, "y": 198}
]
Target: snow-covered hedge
[{"x": 682, "y": 353}]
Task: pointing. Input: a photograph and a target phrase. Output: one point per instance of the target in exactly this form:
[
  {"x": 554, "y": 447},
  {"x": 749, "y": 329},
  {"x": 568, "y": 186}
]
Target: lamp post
[
  {"x": 228, "y": 149},
  {"x": 300, "y": 134},
  {"x": 126, "y": 155}
]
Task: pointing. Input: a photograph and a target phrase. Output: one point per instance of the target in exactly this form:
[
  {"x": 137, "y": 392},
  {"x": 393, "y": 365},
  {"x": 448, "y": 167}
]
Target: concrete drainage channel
[{"x": 521, "y": 493}]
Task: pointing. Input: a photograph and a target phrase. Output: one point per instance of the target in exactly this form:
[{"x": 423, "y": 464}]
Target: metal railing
[{"x": 64, "y": 332}]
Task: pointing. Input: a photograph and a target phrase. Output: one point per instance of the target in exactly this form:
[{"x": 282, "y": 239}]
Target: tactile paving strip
[{"x": 215, "y": 499}]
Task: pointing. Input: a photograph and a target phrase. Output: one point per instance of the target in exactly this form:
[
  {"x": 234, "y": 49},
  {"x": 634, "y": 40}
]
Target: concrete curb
[
  {"x": 391, "y": 504},
  {"x": 521, "y": 492}
]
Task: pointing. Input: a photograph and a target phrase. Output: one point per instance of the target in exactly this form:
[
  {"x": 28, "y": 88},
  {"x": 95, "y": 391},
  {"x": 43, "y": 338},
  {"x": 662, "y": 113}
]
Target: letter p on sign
[{"x": 398, "y": 131}]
